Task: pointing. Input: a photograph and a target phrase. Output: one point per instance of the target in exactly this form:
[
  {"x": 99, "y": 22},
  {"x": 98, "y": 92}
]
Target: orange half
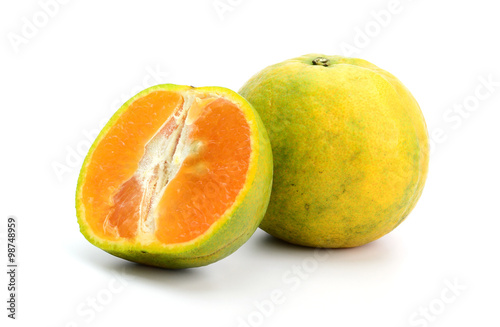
[{"x": 179, "y": 177}]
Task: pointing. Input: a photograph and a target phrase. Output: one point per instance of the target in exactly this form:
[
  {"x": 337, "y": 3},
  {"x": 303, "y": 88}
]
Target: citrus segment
[
  {"x": 172, "y": 165},
  {"x": 116, "y": 160},
  {"x": 208, "y": 182}
]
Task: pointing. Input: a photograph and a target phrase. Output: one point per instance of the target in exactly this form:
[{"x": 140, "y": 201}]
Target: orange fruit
[
  {"x": 179, "y": 177},
  {"x": 350, "y": 149}
]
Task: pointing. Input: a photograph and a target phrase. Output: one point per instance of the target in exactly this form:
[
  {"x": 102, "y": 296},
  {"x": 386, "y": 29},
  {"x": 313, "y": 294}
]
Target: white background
[{"x": 59, "y": 81}]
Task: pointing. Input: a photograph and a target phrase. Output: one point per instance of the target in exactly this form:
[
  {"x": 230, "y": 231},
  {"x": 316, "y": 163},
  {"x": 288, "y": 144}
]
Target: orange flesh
[{"x": 168, "y": 168}]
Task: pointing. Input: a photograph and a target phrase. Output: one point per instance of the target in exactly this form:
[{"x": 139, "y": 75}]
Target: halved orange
[{"x": 179, "y": 177}]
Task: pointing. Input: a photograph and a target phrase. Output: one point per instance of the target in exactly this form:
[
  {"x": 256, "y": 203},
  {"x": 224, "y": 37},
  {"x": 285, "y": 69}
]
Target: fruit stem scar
[{"x": 321, "y": 61}]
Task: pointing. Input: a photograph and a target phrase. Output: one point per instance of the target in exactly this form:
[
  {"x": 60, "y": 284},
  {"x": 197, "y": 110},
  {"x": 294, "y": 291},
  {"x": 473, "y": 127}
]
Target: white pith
[{"x": 162, "y": 159}]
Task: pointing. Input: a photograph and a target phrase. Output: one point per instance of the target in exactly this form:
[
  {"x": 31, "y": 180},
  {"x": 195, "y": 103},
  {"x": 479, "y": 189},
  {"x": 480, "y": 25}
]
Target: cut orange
[{"x": 179, "y": 177}]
